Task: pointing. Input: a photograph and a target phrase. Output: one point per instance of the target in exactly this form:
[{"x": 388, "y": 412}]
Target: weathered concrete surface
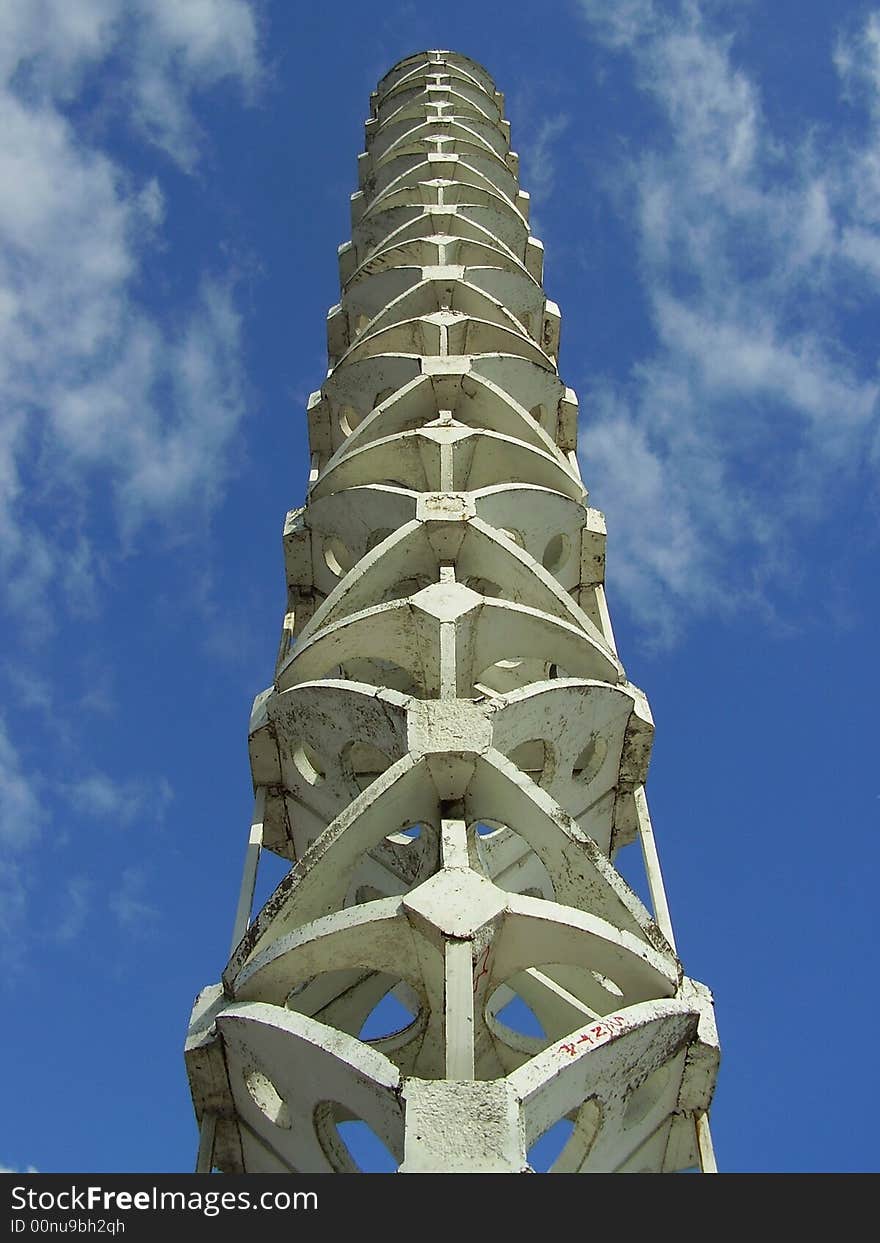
[{"x": 450, "y": 755}]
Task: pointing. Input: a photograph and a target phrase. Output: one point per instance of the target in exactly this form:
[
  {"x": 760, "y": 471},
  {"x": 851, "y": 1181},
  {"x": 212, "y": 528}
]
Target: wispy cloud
[
  {"x": 112, "y": 412},
  {"x": 120, "y": 802},
  {"x": 539, "y": 153},
  {"x": 27, "y": 802},
  {"x": 753, "y": 253},
  {"x": 623, "y": 23},
  {"x": 74, "y": 908},
  {"x": 15, "y": 882},
  {"x": 184, "y": 48},
  {"x": 21, "y": 815},
  {"x": 128, "y": 904}
]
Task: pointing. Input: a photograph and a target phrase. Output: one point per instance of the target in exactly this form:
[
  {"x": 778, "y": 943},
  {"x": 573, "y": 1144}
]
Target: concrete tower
[{"x": 450, "y": 756}]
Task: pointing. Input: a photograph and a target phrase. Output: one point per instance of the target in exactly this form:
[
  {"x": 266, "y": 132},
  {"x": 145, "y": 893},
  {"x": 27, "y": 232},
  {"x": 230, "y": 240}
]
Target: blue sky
[{"x": 174, "y": 182}]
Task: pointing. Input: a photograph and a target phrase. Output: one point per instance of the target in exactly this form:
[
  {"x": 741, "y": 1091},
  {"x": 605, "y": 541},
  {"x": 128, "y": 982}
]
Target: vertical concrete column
[{"x": 453, "y": 974}]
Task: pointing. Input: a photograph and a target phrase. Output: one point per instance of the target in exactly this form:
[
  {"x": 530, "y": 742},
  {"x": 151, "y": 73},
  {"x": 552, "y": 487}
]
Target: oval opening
[
  {"x": 564, "y": 1147},
  {"x": 512, "y": 1020},
  {"x": 349, "y": 419},
  {"x": 531, "y": 757},
  {"x": 367, "y": 893},
  {"x": 365, "y": 1147},
  {"x": 364, "y": 762},
  {"x": 405, "y": 836},
  {"x": 555, "y": 553},
  {"x": 392, "y": 1014},
  {"x": 379, "y": 672},
  {"x": 518, "y": 1016},
  {"x": 508, "y": 860},
  {"x": 484, "y": 586},
  {"x": 406, "y": 587},
  {"x": 267, "y": 1098},
  {"x": 310, "y": 766},
  {"x": 350, "y": 1144},
  {"x": 609, "y": 986},
  {"x": 548, "y": 1147},
  {"x": 590, "y": 759},
  {"x": 511, "y": 674},
  {"x": 337, "y": 557}
]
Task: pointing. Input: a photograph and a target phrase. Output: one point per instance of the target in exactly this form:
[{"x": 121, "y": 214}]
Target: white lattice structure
[{"x": 450, "y": 756}]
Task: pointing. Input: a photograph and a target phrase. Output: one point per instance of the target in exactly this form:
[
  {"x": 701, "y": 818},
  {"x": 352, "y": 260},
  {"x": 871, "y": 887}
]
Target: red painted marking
[
  {"x": 484, "y": 967},
  {"x": 598, "y": 1034}
]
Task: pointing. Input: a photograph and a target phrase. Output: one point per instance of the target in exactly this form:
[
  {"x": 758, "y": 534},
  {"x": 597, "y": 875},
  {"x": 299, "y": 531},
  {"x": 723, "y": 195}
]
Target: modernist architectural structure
[{"x": 450, "y": 756}]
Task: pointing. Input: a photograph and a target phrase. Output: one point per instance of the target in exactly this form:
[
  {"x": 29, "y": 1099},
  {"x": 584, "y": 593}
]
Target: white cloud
[
  {"x": 15, "y": 883},
  {"x": 21, "y": 813},
  {"x": 128, "y": 904},
  {"x": 857, "y": 60},
  {"x": 116, "y": 415},
  {"x": 31, "y": 690},
  {"x": 50, "y": 44},
  {"x": 182, "y": 48},
  {"x": 74, "y": 909},
  {"x": 538, "y": 158},
  {"x": 120, "y": 801},
  {"x": 622, "y": 23},
  {"x": 755, "y": 399},
  {"x": 97, "y": 389}
]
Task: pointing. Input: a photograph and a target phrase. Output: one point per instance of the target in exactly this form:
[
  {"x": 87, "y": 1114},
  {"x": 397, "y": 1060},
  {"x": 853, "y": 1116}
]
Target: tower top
[{"x": 437, "y": 56}]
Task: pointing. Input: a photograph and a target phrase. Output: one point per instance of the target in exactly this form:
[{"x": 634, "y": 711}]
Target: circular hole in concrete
[
  {"x": 363, "y": 762},
  {"x": 406, "y": 587},
  {"x": 512, "y": 1020},
  {"x": 564, "y": 1147},
  {"x": 592, "y": 988},
  {"x": 555, "y": 553},
  {"x": 406, "y": 836},
  {"x": 508, "y": 860},
  {"x": 484, "y": 586},
  {"x": 510, "y": 674},
  {"x": 365, "y": 1147},
  {"x": 532, "y": 757},
  {"x": 379, "y": 672},
  {"x": 590, "y": 759},
  {"x": 547, "y": 1147},
  {"x": 367, "y": 893},
  {"x": 395, "y": 1012},
  {"x": 267, "y": 1098},
  {"x": 337, "y": 557},
  {"x": 349, "y": 419},
  {"x": 309, "y": 764},
  {"x": 517, "y": 1015},
  {"x": 609, "y": 986},
  {"x": 350, "y": 1144}
]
